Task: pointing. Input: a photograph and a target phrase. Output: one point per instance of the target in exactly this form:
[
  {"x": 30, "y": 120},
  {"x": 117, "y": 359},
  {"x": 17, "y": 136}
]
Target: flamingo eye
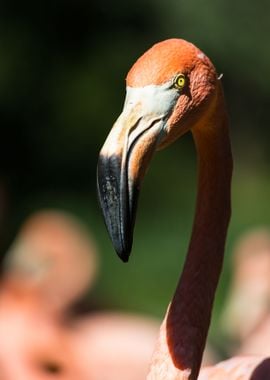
[{"x": 179, "y": 81}]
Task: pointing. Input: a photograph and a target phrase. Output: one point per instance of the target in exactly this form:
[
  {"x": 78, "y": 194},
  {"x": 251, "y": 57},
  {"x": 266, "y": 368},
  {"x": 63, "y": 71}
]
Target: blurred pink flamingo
[
  {"x": 250, "y": 285},
  {"x": 246, "y": 318},
  {"x": 51, "y": 263}
]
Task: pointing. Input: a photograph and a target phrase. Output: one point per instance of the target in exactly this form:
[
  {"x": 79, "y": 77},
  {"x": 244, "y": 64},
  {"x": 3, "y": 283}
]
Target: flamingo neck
[{"x": 184, "y": 330}]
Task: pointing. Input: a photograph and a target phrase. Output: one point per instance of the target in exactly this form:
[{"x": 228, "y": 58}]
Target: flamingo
[
  {"x": 173, "y": 88},
  {"x": 249, "y": 286},
  {"x": 250, "y": 326},
  {"x": 258, "y": 341},
  {"x": 50, "y": 264}
]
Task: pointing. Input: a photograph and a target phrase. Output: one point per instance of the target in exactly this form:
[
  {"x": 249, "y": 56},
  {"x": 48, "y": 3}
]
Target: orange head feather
[{"x": 165, "y": 59}]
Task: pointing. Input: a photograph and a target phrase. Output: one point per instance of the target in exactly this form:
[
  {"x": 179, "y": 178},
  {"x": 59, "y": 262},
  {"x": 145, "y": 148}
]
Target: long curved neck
[{"x": 184, "y": 330}]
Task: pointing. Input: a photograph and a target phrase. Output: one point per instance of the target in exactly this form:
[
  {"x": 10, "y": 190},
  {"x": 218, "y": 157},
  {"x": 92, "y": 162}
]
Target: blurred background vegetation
[{"x": 62, "y": 71}]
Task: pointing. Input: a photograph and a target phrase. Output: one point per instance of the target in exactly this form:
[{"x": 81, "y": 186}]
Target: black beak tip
[
  {"x": 123, "y": 256},
  {"x": 122, "y": 248},
  {"x": 118, "y": 204},
  {"x": 121, "y": 239}
]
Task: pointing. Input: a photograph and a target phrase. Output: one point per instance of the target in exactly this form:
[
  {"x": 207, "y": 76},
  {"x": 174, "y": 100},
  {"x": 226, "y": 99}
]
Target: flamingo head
[{"x": 170, "y": 89}]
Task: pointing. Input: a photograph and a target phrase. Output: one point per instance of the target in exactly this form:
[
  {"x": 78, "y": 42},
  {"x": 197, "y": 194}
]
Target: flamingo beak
[{"x": 122, "y": 163}]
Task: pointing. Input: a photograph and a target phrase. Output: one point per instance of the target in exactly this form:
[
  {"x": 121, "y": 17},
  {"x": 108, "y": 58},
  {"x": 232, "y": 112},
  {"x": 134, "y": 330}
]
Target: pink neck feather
[{"x": 184, "y": 330}]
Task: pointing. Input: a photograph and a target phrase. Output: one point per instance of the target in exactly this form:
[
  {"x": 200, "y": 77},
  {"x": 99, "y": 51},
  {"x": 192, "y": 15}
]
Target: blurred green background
[{"x": 62, "y": 71}]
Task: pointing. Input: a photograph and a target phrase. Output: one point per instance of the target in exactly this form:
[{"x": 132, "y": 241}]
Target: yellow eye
[{"x": 180, "y": 81}]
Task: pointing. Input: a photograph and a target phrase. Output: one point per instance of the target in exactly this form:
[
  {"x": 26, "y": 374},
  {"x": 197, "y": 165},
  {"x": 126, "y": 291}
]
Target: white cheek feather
[{"x": 152, "y": 99}]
